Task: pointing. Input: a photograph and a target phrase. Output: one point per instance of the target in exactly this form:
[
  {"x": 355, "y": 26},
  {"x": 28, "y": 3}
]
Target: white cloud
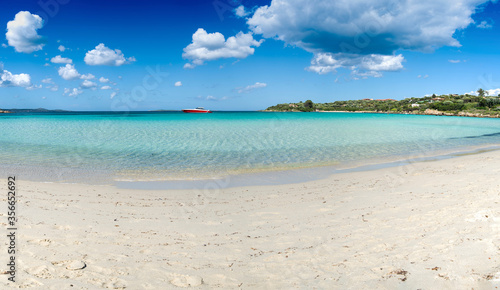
[
  {"x": 250, "y": 88},
  {"x": 240, "y": 11},
  {"x": 33, "y": 87},
  {"x": 211, "y": 98},
  {"x": 211, "y": 46},
  {"x": 7, "y": 79},
  {"x": 59, "y": 59},
  {"x": 361, "y": 65},
  {"x": 73, "y": 93},
  {"x": 86, "y": 84},
  {"x": 178, "y": 84},
  {"x": 87, "y": 77},
  {"x": 106, "y": 88},
  {"x": 484, "y": 25},
  {"x": 353, "y": 29},
  {"x": 22, "y": 32},
  {"x": 68, "y": 72},
  {"x": 491, "y": 92},
  {"x": 104, "y": 80},
  {"x": 454, "y": 60},
  {"x": 113, "y": 94},
  {"x": 61, "y": 48},
  {"x": 422, "y": 76},
  {"x": 4, "y": 45},
  {"x": 102, "y": 55},
  {"x": 47, "y": 81},
  {"x": 54, "y": 88}
]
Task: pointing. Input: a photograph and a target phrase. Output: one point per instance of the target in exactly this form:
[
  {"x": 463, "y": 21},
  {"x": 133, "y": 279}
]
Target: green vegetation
[{"x": 453, "y": 104}]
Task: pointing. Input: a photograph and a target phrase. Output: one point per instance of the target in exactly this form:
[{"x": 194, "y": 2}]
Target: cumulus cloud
[
  {"x": 106, "y": 88},
  {"x": 8, "y": 79},
  {"x": 343, "y": 32},
  {"x": 454, "y": 60},
  {"x": 211, "y": 98},
  {"x": 362, "y": 65},
  {"x": 250, "y": 88},
  {"x": 87, "y": 77},
  {"x": 178, "y": 84},
  {"x": 4, "y": 45},
  {"x": 68, "y": 72},
  {"x": 22, "y": 32},
  {"x": 113, "y": 94},
  {"x": 211, "y": 46},
  {"x": 61, "y": 48},
  {"x": 240, "y": 11},
  {"x": 491, "y": 92},
  {"x": 104, "y": 80},
  {"x": 484, "y": 25},
  {"x": 59, "y": 59},
  {"x": 47, "y": 81},
  {"x": 86, "y": 84},
  {"x": 103, "y": 55},
  {"x": 33, "y": 87},
  {"x": 72, "y": 92}
]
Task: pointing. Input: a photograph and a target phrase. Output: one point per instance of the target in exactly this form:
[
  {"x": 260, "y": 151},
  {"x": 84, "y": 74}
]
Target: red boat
[{"x": 197, "y": 110}]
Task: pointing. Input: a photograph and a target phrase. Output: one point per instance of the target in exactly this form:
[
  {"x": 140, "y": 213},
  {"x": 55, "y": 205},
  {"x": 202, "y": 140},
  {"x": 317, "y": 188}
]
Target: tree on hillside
[
  {"x": 480, "y": 92},
  {"x": 308, "y": 104}
]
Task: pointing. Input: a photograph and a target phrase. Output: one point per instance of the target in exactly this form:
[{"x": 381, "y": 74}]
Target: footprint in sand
[
  {"x": 186, "y": 281},
  {"x": 43, "y": 272}
]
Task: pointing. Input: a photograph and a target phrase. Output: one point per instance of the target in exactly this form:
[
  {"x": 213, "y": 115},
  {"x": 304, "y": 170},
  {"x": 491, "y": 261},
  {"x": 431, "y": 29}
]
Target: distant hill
[
  {"x": 452, "y": 105},
  {"x": 39, "y": 110}
]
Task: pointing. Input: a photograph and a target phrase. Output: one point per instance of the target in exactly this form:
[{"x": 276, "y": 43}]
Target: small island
[{"x": 449, "y": 105}]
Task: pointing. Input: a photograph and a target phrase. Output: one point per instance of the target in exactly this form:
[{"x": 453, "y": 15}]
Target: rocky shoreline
[{"x": 426, "y": 112}]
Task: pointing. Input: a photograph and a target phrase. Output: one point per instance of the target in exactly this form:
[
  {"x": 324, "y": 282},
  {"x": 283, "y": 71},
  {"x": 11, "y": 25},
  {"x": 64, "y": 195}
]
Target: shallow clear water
[{"x": 174, "y": 145}]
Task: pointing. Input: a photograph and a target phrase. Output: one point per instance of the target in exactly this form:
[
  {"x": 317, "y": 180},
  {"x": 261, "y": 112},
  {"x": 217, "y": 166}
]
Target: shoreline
[
  {"x": 259, "y": 177},
  {"x": 427, "y": 112},
  {"x": 300, "y": 175},
  {"x": 422, "y": 225}
]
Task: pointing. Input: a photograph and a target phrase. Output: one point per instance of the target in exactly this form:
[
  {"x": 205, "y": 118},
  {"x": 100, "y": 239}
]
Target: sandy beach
[{"x": 427, "y": 225}]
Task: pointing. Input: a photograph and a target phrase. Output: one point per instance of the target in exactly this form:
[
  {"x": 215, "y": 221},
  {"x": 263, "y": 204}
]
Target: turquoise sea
[{"x": 149, "y": 146}]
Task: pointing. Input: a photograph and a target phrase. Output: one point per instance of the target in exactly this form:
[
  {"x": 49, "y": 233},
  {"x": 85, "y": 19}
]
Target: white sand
[{"x": 429, "y": 225}]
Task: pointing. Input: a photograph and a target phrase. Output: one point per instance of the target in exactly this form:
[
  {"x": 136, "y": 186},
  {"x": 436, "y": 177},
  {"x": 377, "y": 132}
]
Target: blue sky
[{"x": 242, "y": 55}]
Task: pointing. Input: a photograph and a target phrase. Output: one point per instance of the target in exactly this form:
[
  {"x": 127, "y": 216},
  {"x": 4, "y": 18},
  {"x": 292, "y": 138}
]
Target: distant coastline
[
  {"x": 426, "y": 112},
  {"x": 39, "y": 110},
  {"x": 480, "y": 106}
]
